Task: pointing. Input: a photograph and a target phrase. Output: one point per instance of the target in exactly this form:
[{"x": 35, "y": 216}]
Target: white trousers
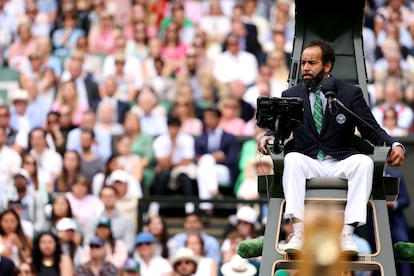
[
  {"x": 209, "y": 176},
  {"x": 357, "y": 169}
]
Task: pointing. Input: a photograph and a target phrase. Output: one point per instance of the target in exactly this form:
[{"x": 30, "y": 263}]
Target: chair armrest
[
  {"x": 392, "y": 187},
  {"x": 379, "y": 157}
]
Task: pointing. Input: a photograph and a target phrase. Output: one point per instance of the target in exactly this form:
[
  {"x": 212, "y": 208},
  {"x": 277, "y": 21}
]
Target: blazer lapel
[{"x": 307, "y": 114}]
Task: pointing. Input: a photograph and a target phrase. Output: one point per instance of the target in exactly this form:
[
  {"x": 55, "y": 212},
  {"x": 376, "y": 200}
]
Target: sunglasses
[
  {"x": 144, "y": 243},
  {"x": 94, "y": 246},
  {"x": 186, "y": 262},
  {"x": 24, "y": 271}
]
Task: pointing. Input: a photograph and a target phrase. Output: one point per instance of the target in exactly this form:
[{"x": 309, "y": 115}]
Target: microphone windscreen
[
  {"x": 404, "y": 251},
  {"x": 250, "y": 248},
  {"x": 328, "y": 84}
]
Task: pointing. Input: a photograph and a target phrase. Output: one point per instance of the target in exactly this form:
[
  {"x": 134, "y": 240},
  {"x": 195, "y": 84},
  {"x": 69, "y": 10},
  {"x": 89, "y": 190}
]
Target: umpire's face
[{"x": 313, "y": 70}]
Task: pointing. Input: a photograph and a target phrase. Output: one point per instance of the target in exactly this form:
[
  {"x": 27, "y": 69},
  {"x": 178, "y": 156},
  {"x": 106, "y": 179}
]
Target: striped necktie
[{"x": 317, "y": 116}]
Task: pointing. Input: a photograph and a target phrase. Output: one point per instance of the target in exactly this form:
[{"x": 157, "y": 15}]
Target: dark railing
[{"x": 177, "y": 201}]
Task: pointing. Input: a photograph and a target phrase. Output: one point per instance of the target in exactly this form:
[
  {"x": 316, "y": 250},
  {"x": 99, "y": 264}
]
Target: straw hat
[{"x": 237, "y": 266}]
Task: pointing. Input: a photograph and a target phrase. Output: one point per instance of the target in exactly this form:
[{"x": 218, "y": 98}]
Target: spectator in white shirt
[
  {"x": 49, "y": 162},
  {"x": 235, "y": 64}
]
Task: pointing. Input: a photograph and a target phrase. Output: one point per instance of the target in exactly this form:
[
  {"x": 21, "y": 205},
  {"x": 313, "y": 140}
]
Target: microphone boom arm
[{"x": 336, "y": 100}]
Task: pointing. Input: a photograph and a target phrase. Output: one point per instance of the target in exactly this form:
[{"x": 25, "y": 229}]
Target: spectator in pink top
[
  {"x": 81, "y": 202},
  {"x": 22, "y": 47},
  {"x": 173, "y": 50},
  {"x": 230, "y": 119},
  {"x": 103, "y": 35}
]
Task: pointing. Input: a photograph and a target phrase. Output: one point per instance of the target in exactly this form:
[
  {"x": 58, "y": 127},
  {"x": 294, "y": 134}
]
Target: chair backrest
[{"x": 339, "y": 23}]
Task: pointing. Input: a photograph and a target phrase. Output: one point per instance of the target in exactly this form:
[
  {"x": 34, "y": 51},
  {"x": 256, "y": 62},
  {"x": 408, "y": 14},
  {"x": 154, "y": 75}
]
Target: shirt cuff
[{"x": 395, "y": 144}]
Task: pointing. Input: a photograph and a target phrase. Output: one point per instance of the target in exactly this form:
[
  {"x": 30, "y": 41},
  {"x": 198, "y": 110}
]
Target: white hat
[
  {"x": 186, "y": 254},
  {"x": 23, "y": 173},
  {"x": 66, "y": 224},
  {"x": 19, "y": 95},
  {"x": 247, "y": 214},
  {"x": 118, "y": 175},
  {"x": 237, "y": 266}
]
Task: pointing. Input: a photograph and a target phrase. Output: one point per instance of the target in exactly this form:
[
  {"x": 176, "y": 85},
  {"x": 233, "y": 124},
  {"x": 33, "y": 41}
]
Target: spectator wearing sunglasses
[
  {"x": 97, "y": 265},
  {"x": 150, "y": 263}
]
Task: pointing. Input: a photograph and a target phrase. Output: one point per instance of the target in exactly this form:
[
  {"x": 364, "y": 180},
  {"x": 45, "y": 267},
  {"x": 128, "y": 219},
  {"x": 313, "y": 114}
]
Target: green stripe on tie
[{"x": 317, "y": 117}]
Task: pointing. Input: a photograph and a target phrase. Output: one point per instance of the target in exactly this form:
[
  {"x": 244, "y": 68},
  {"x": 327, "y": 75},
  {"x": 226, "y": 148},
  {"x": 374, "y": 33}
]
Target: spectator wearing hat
[
  {"x": 128, "y": 193},
  {"x": 116, "y": 250},
  {"x": 121, "y": 226},
  {"x": 66, "y": 228},
  {"x": 31, "y": 201},
  {"x": 130, "y": 268},
  {"x": 238, "y": 266},
  {"x": 245, "y": 222},
  {"x": 150, "y": 263},
  {"x": 19, "y": 118},
  {"x": 113, "y": 172},
  {"x": 11, "y": 167},
  {"x": 97, "y": 265},
  {"x": 185, "y": 262}
]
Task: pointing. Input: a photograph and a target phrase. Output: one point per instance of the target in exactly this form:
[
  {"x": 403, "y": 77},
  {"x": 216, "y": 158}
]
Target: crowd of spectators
[{"x": 119, "y": 100}]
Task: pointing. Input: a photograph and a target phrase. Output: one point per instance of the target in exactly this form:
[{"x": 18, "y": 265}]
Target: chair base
[{"x": 381, "y": 260}]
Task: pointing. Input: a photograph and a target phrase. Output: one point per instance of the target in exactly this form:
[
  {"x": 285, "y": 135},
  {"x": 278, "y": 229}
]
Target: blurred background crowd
[{"x": 104, "y": 102}]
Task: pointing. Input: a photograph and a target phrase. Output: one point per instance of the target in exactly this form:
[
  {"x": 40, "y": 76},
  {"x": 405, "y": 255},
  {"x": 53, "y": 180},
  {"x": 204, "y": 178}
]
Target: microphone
[{"x": 328, "y": 89}]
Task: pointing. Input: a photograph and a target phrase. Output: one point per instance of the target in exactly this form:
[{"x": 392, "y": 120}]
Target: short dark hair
[
  {"x": 213, "y": 109},
  {"x": 42, "y": 130},
  {"x": 173, "y": 121},
  {"x": 328, "y": 52},
  {"x": 88, "y": 130}
]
